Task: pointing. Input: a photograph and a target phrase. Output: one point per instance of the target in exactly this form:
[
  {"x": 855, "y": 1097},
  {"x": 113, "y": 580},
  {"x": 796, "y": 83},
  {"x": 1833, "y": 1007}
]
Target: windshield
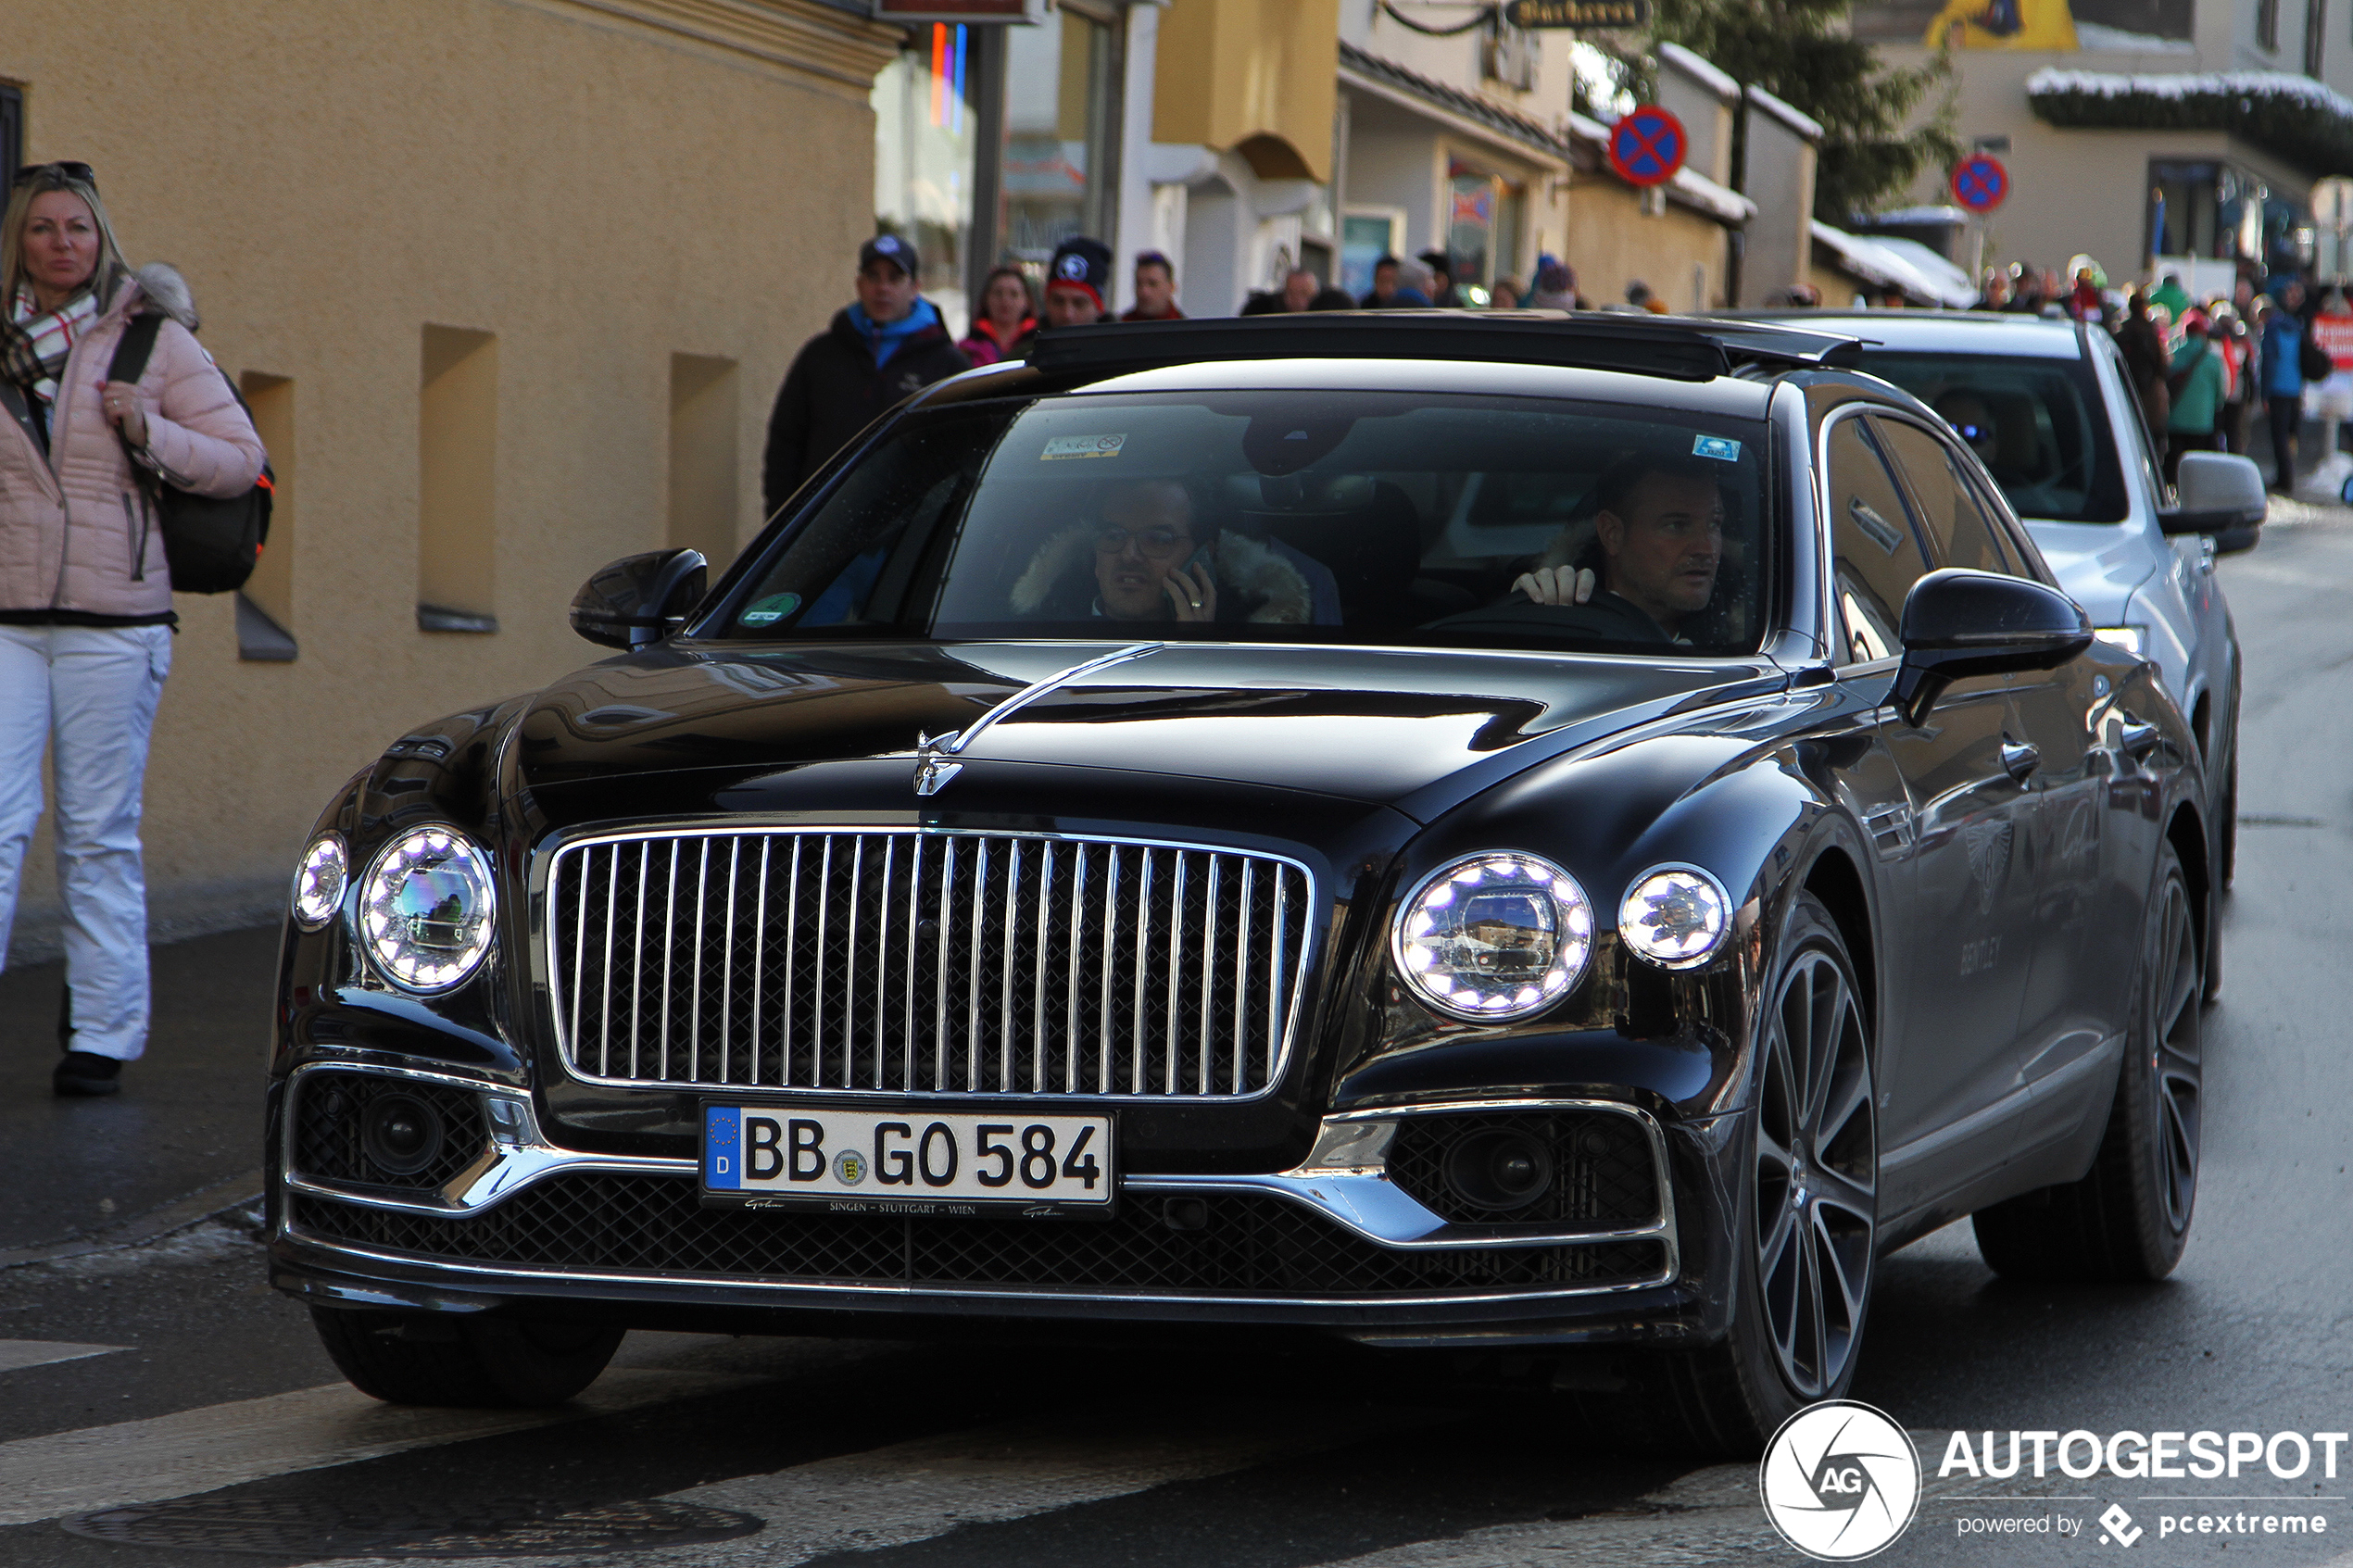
[
  {"x": 1314, "y": 517},
  {"x": 2034, "y": 423}
]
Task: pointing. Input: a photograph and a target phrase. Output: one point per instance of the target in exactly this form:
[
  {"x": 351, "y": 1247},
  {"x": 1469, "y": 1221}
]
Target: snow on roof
[
  {"x": 1700, "y": 69},
  {"x": 1906, "y": 265},
  {"x": 1918, "y": 215},
  {"x": 2189, "y": 84},
  {"x": 1804, "y": 124}
]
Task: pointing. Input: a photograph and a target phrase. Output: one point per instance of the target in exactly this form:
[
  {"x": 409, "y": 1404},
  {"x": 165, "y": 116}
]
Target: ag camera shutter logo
[{"x": 1840, "y": 1481}]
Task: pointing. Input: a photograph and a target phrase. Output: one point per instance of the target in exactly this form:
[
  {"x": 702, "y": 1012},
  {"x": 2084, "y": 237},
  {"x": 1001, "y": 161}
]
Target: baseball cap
[
  {"x": 890, "y": 249},
  {"x": 1081, "y": 263}
]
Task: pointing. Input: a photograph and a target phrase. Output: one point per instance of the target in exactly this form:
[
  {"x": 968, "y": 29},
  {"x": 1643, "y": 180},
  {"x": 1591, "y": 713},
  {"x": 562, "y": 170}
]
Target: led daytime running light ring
[
  {"x": 1646, "y": 945},
  {"x": 321, "y": 881}
]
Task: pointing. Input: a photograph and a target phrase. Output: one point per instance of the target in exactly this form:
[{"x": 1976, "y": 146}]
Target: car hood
[
  {"x": 2098, "y": 564},
  {"x": 1413, "y": 729}
]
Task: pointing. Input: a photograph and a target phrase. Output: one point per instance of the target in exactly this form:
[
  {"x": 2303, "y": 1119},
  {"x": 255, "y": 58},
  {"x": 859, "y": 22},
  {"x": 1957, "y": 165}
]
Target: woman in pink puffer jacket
[{"x": 85, "y": 596}]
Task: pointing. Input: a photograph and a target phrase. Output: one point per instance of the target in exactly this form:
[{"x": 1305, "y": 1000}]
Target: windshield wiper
[{"x": 932, "y": 769}]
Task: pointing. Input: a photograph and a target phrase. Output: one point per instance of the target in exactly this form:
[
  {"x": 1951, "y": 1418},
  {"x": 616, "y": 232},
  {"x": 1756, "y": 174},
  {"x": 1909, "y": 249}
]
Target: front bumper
[{"x": 1336, "y": 1243}]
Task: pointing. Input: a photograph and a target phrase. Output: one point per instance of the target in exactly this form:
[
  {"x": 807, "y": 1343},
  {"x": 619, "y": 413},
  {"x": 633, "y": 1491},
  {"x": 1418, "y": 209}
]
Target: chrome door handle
[
  {"x": 2019, "y": 761},
  {"x": 2138, "y": 740}
]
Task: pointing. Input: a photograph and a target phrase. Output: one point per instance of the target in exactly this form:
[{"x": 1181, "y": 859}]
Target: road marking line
[
  {"x": 914, "y": 1491},
  {"x": 18, "y": 1354},
  {"x": 197, "y": 1451}
]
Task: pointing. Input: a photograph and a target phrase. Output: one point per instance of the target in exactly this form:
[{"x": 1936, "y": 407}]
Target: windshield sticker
[
  {"x": 1082, "y": 446},
  {"x": 768, "y": 611},
  {"x": 1722, "y": 448}
]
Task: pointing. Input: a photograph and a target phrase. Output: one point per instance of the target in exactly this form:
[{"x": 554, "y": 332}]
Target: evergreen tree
[{"x": 1798, "y": 50}]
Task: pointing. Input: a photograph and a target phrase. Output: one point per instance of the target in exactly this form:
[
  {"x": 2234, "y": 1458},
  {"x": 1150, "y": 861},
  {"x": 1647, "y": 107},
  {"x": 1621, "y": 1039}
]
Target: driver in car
[{"x": 1650, "y": 566}]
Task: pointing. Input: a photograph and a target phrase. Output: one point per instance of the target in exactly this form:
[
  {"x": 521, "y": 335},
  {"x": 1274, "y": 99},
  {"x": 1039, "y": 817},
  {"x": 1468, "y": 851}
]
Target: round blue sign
[
  {"x": 1646, "y": 147},
  {"x": 1979, "y": 183}
]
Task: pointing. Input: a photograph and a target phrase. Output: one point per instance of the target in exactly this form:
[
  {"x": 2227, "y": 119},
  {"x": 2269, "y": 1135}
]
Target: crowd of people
[{"x": 2204, "y": 369}]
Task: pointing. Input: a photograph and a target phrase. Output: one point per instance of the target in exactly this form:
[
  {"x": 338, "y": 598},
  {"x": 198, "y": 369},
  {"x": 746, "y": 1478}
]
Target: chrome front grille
[{"x": 926, "y": 962}]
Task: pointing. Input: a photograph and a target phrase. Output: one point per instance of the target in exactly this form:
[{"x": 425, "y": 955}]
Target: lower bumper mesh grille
[{"x": 1253, "y": 1245}]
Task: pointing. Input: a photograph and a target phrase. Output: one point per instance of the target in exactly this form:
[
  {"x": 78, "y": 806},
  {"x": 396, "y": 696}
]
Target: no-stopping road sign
[
  {"x": 1979, "y": 183},
  {"x": 1647, "y": 147}
]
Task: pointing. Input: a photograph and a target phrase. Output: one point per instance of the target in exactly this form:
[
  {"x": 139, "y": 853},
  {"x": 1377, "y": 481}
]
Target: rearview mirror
[
  {"x": 640, "y": 599},
  {"x": 2217, "y": 491},
  {"x": 1958, "y": 623}
]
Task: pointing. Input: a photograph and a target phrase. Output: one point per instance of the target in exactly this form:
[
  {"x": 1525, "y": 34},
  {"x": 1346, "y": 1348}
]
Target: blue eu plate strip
[{"x": 721, "y": 1165}]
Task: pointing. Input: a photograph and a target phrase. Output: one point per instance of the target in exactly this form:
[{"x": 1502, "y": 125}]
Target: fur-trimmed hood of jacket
[
  {"x": 1251, "y": 578},
  {"x": 162, "y": 288}
]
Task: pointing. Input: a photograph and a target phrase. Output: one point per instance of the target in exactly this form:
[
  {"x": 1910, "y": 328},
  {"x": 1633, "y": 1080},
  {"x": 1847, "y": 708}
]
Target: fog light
[
  {"x": 401, "y": 1134},
  {"x": 1500, "y": 1169}
]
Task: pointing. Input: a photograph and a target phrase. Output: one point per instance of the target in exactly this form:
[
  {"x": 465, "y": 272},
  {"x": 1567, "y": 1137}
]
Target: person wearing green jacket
[{"x": 2196, "y": 380}]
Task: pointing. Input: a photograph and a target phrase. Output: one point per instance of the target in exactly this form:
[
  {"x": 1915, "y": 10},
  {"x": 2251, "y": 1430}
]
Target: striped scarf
[{"x": 34, "y": 346}]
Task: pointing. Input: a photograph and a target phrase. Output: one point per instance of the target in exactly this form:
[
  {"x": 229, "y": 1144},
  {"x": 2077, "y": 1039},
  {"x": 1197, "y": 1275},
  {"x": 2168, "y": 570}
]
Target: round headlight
[
  {"x": 1494, "y": 936},
  {"x": 1675, "y": 916},
  {"x": 425, "y": 910},
  {"x": 319, "y": 882}
]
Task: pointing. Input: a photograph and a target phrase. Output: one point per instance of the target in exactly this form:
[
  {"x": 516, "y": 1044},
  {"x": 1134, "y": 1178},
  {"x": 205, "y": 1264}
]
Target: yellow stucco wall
[
  {"x": 1611, "y": 241},
  {"x": 598, "y": 187},
  {"x": 1255, "y": 75}
]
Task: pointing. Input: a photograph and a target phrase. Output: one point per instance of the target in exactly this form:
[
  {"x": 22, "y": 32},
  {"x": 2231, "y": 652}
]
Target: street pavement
[{"x": 143, "y": 1368}]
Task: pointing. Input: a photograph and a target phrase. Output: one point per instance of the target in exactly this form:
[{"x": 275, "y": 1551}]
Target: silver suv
[{"x": 2046, "y": 405}]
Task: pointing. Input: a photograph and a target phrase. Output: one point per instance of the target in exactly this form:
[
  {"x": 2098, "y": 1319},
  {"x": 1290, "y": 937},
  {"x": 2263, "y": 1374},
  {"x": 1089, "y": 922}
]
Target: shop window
[
  {"x": 1365, "y": 238},
  {"x": 1470, "y": 222},
  {"x": 702, "y": 457},
  {"x": 2185, "y": 210},
  {"x": 925, "y": 133},
  {"x": 2267, "y": 24},
  {"x": 265, "y": 607},
  {"x": 1062, "y": 120},
  {"x": 456, "y": 481}
]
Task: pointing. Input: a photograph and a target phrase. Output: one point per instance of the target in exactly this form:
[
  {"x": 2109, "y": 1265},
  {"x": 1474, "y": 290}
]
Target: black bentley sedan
[{"x": 1576, "y": 834}]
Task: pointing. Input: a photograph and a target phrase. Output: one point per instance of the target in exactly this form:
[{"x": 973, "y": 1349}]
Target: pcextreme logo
[{"x": 1839, "y": 1480}]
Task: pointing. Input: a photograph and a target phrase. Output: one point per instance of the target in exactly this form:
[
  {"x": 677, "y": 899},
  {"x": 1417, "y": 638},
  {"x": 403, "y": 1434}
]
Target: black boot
[{"x": 86, "y": 1073}]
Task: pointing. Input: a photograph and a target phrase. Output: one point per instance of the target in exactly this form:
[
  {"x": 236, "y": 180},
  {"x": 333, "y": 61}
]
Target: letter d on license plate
[{"x": 948, "y": 1162}]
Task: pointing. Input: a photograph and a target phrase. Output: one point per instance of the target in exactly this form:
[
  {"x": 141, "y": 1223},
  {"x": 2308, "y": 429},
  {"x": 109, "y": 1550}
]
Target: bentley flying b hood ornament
[{"x": 934, "y": 767}]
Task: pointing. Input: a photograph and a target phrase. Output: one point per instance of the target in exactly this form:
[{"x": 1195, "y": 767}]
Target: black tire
[
  {"x": 1805, "y": 1223},
  {"x": 2129, "y": 1218},
  {"x": 419, "y": 1358}
]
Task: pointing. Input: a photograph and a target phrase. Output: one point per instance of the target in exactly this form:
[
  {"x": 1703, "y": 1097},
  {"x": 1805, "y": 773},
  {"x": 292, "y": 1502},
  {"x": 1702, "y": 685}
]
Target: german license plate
[{"x": 946, "y": 1162}]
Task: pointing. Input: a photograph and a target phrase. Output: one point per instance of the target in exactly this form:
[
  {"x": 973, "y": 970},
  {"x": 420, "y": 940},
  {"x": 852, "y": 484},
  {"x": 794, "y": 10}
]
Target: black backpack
[
  {"x": 2312, "y": 359},
  {"x": 211, "y": 545}
]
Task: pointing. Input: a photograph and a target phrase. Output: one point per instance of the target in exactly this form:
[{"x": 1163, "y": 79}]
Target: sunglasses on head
[{"x": 64, "y": 167}]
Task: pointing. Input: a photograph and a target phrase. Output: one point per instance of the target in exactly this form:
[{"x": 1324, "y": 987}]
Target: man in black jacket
[{"x": 887, "y": 345}]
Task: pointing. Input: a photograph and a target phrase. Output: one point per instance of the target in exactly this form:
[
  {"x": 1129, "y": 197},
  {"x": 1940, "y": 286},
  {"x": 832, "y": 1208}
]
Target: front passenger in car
[{"x": 1144, "y": 559}]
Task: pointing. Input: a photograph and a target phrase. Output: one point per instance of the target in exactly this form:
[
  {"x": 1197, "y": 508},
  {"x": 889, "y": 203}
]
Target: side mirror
[
  {"x": 640, "y": 599},
  {"x": 2217, "y": 491},
  {"x": 1958, "y": 623}
]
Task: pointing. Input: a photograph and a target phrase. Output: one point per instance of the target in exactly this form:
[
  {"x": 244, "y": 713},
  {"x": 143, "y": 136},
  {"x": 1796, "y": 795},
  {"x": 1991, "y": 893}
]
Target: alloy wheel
[
  {"x": 2175, "y": 1063},
  {"x": 1817, "y": 1174}
]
